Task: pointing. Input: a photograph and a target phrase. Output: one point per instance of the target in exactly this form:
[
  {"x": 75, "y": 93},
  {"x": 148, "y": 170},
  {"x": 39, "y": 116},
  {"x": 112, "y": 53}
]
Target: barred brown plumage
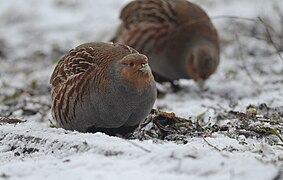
[
  {"x": 102, "y": 87},
  {"x": 176, "y": 35}
]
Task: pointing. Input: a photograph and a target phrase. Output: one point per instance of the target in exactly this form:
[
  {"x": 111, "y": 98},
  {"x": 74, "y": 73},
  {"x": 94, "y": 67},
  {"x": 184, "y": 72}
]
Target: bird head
[
  {"x": 135, "y": 69},
  {"x": 202, "y": 62}
]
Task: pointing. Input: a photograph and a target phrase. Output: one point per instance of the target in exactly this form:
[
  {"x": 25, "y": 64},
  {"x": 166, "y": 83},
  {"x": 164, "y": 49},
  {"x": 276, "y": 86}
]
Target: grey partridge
[
  {"x": 176, "y": 35},
  {"x": 105, "y": 87}
]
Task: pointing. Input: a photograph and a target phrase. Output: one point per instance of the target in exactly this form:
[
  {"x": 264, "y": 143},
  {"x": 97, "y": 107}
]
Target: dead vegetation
[
  {"x": 257, "y": 122},
  {"x": 4, "y": 120}
]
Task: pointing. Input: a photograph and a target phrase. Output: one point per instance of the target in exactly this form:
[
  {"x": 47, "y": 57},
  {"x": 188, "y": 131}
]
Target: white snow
[
  {"x": 76, "y": 155},
  {"x": 37, "y": 33}
]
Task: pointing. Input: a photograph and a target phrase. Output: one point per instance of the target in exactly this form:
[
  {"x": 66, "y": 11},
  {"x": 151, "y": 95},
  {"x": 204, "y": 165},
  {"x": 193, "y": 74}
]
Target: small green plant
[
  {"x": 52, "y": 126},
  {"x": 243, "y": 142},
  {"x": 33, "y": 84},
  {"x": 201, "y": 117},
  {"x": 12, "y": 97}
]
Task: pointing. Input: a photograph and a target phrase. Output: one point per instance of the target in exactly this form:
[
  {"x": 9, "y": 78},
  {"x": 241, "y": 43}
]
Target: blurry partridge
[
  {"x": 102, "y": 87},
  {"x": 176, "y": 35}
]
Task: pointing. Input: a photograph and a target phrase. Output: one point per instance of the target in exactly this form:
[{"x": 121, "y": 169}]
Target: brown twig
[
  {"x": 240, "y": 18},
  {"x": 233, "y": 18},
  {"x": 266, "y": 27},
  {"x": 243, "y": 61}
]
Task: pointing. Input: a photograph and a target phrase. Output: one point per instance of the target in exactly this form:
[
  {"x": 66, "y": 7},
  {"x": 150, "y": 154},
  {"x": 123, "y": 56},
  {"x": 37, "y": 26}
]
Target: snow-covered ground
[{"x": 35, "y": 34}]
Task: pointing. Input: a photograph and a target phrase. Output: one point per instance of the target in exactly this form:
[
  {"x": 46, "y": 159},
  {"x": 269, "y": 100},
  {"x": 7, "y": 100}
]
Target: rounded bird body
[
  {"x": 102, "y": 87},
  {"x": 176, "y": 35}
]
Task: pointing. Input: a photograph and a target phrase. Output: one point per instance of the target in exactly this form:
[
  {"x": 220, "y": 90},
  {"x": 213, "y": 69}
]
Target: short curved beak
[
  {"x": 201, "y": 83},
  {"x": 145, "y": 68}
]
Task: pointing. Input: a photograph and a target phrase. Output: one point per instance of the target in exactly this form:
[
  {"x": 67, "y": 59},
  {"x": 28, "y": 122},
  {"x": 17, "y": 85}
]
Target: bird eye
[{"x": 131, "y": 64}]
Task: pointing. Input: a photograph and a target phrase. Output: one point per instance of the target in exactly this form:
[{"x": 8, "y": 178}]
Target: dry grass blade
[
  {"x": 216, "y": 148},
  {"x": 134, "y": 144},
  {"x": 5, "y": 120}
]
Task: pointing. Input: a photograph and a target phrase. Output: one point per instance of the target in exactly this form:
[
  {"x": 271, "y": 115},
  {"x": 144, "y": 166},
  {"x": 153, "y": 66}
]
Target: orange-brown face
[
  {"x": 136, "y": 70},
  {"x": 201, "y": 64}
]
